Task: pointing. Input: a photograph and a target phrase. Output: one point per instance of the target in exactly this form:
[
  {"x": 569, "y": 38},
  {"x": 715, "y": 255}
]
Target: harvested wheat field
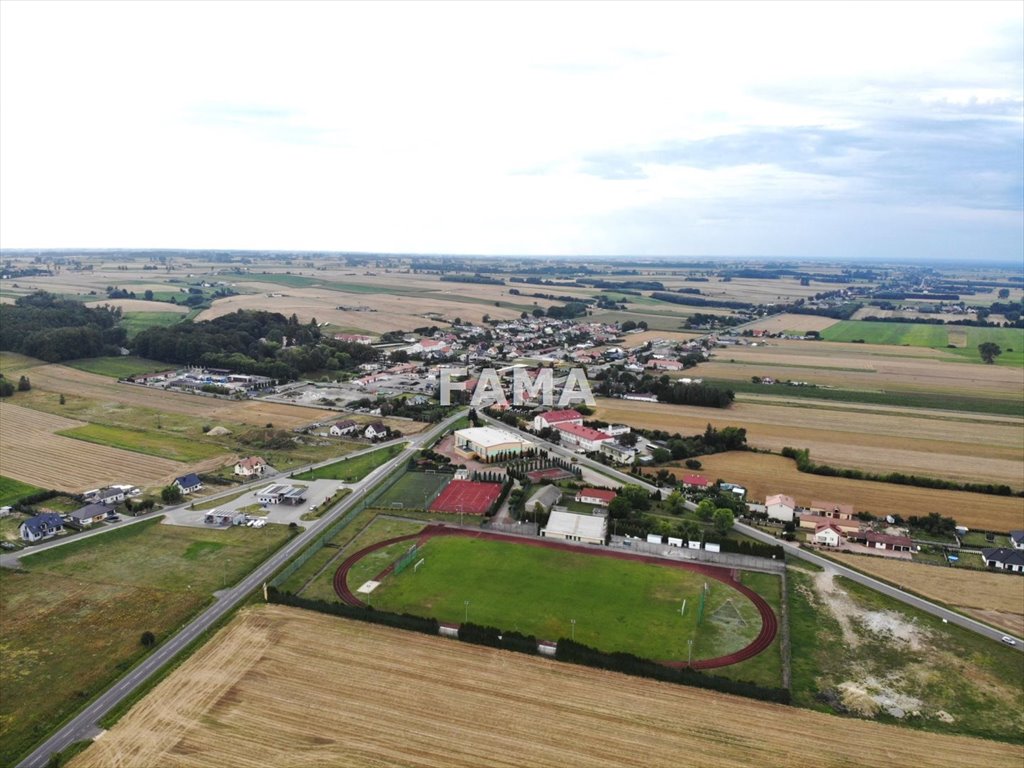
[
  {"x": 787, "y": 322},
  {"x": 870, "y": 367},
  {"x": 970, "y": 448},
  {"x": 763, "y": 475},
  {"x": 32, "y": 453},
  {"x": 631, "y": 340},
  {"x": 60, "y": 378},
  {"x": 281, "y": 686},
  {"x": 141, "y": 305},
  {"x": 982, "y": 594}
]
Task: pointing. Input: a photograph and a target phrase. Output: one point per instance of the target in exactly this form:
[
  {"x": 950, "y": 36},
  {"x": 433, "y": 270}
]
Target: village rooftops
[{"x": 586, "y": 433}]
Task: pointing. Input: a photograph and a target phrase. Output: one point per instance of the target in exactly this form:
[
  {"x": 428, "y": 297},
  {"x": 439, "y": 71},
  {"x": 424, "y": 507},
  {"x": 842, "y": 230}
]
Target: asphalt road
[
  {"x": 880, "y": 586},
  {"x": 85, "y": 725}
]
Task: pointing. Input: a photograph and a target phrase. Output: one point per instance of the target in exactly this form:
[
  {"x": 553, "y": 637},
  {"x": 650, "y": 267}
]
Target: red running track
[{"x": 769, "y": 622}]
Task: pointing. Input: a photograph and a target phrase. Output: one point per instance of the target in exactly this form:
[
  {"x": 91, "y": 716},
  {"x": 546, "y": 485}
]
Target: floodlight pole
[
  {"x": 466, "y": 603},
  {"x": 573, "y": 623},
  {"x": 689, "y": 657}
]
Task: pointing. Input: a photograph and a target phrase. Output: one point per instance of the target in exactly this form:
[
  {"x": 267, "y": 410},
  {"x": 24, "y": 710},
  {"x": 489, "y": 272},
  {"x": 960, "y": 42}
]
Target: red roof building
[
  {"x": 600, "y": 496},
  {"x": 695, "y": 481}
]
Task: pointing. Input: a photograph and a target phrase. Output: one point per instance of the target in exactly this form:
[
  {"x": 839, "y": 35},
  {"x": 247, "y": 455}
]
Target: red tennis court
[{"x": 467, "y": 497}]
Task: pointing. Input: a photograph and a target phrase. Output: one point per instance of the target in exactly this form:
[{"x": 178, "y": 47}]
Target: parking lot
[{"x": 317, "y": 491}]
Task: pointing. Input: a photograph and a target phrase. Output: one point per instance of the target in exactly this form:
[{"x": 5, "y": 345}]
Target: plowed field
[
  {"x": 281, "y": 686},
  {"x": 31, "y": 452}
]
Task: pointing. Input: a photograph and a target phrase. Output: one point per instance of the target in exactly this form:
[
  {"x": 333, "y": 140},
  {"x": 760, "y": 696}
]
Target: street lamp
[
  {"x": 573, "y": 622},
  {"x": 466, "y": 603}
]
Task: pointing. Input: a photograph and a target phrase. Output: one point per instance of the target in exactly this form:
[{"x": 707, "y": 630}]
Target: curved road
[{"x": 85, "y": 725}]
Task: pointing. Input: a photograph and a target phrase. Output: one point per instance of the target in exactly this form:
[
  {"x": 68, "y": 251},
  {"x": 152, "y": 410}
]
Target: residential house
[
  {"x": 828, "y": 534},
  {"x": 554, "y": 418},
  {"x": 832, "y": 509},
  {"x": 189, "y": 483},
  {"x": 1017, "y": 539},
  {"x": 696, "y": 481},
  {"x": 599, "y": 496},
  {"x": 846, "y": 527},
  {"x": 89, "y": 514},
  {"x": 252, "y": 466},
  {"x": 346, "y": 427},
  {"x": 1004, "y": 559},
  {"x": 665, "y": 365},
  {"x": 41, "y": 527},
  {"x": 887, "y": 541},
  {"x": 375, "y": 431},
  {"x": 623, "y": 454},
  {"x": 110, "y": 495},
  {"x": 780, "y": 507}
]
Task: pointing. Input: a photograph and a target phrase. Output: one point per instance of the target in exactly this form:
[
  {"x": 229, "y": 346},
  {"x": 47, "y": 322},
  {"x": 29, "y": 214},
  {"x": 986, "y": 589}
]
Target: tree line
[{"x": 53, "y": 329}]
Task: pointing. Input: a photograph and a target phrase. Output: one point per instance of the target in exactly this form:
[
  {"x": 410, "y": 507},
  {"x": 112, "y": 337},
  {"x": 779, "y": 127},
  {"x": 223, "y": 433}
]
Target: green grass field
[
  {"x": 73, "y": 616},
  {"x": 974, "y": 680},
  {"x": 618, "y": 605},
  {"x": 965, "y": 338},
  {"x": 118, "y": 367},
  {"x": 12, "y": 490},
  {"x": 353, "y": 469},
  {"x": 133, "y": 322},
  {"x": 154, "y": 443},
  {"x": 415, "y": 490}
]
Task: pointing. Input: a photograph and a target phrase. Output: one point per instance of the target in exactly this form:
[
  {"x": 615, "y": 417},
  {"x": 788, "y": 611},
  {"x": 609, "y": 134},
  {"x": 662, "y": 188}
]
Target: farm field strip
[
  {"x": 386, "y": 697},
  {"x": 884, "y": 442},
  {"x": 32, "y": 453},
  {"x": 763, "y": 475}
]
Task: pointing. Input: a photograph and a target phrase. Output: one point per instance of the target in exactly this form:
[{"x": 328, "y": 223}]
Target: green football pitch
[{"x": 617, "y": 605}]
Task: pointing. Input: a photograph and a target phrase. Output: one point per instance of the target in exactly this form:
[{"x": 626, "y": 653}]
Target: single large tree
[
  {"x": 989, "y": 351},
  {"x": 723, "y": 520}
]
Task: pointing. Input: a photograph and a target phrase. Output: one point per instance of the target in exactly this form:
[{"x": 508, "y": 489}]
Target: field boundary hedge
[
  {"x": 802, "y": 457},
  {"x": 567, "y": 650}
]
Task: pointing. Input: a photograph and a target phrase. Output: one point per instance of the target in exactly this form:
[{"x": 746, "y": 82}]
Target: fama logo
[{"x": 525, "y": 390}]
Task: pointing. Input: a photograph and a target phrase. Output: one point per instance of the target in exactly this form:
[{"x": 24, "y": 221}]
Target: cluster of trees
[
  {"x": 566, "y": 311},
  {"x": 53, "y": 329},
  {"x": 803, "y": 463},
  {"x": 477, "y": 278},
  {"x": 700, "y": 320},
  {"x": 253, "y": 342},
  {"x": 7, "y": 388},
  {"x": 704, "y": 395},
  {"x": 692, "y": 301},
  {"x": 934, "y": 523}
]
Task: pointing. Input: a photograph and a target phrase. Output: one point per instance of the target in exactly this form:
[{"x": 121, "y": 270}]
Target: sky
[{"x": 864, "y": 130}]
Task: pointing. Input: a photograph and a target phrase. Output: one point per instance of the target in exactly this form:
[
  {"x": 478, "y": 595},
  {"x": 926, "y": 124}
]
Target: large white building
[
  {"x": 584, "y": 438},
  {"x": 568, "y": 526},
  {"x": 487, "y": 442}
]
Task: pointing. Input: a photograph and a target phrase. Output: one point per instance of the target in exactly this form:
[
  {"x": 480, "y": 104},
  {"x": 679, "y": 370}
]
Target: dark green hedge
[
  {"x": 368, "y": 614},
  {"x": 577, "y": 653}
]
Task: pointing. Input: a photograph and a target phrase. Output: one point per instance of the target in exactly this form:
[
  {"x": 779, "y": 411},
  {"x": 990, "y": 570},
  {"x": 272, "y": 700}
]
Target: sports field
[
  {"x": 617, "y": 604},
  {"x": 415, "y": 490},
  {"x": 466, "y": 497}
]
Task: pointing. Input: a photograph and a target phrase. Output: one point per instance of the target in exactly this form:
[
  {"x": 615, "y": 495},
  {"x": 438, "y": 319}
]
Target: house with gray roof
[{"x": 41, "y": 527}]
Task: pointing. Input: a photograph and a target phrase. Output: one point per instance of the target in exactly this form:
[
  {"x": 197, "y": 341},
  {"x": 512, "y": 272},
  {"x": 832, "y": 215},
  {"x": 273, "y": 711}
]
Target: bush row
[
  {"x": 803, "y": 461},
  {"x": 577, "y": 653},
  {"x": 367, "y": 613},
  {"x": 496, "y": 638}
]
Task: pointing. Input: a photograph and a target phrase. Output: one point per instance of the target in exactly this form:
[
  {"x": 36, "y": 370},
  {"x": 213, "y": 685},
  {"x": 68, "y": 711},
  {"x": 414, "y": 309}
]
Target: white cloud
[{"x": 453, "y": 127}]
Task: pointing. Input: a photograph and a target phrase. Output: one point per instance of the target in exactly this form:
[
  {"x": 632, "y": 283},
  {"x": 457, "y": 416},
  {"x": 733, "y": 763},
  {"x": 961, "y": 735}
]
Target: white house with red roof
[
  {"x": 602, "y": 497},
  {"x": 696, "y": 481},
  {"x": 429, "y": 347},
  {"x": 780, "y": 507},
  {"x": 583, "y": 438},
  {"x": 828, "y": 534},
  {"x": 554, "y": 418}
]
